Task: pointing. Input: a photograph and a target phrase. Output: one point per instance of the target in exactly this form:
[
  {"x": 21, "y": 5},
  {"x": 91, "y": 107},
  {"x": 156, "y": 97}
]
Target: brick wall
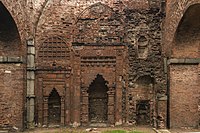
[
  {"x": 12, "y": 95},
  {"x": 142, "y": 30},
  {"x": 184, "y": 96}
]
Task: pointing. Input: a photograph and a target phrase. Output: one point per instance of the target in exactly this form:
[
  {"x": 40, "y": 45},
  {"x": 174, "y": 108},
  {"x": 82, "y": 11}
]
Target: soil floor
[{"x": 93, "y": 130}]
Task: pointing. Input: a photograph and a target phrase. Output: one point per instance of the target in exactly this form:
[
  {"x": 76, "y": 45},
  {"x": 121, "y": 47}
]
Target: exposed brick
[{"x": 124, "y": 42}]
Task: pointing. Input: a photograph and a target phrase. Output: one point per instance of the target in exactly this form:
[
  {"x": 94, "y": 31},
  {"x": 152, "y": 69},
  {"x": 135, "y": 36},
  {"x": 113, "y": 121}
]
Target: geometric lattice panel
[{"x": 54, "y": 48}]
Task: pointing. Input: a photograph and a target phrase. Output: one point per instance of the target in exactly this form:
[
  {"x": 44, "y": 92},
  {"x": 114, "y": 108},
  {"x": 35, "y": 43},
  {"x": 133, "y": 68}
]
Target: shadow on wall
[
  {"x": 9, "y": 35},
  {"x": 188, "y": 34}
]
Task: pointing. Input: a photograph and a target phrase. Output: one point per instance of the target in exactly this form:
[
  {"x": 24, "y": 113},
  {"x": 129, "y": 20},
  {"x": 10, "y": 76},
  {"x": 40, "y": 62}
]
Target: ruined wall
[
  {"x": 83, "y": 24},
  {"x": 145, "y": 57},
  {"x": 136, "y": 30}
]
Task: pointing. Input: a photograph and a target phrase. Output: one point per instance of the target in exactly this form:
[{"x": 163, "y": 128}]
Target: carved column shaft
[{"x": 30, "y": 83}]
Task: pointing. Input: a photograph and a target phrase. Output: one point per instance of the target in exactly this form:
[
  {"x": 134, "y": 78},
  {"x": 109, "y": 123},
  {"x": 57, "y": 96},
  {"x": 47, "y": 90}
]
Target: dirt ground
[
  {"x": 83, "y": 130},
  {"x": 184, "y": 130}
]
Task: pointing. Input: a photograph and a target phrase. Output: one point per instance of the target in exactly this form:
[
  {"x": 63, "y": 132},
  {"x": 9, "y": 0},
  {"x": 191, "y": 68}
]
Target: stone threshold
[
  {"x": 161, "y": 130},
  {"x": 183, "y": 61}
]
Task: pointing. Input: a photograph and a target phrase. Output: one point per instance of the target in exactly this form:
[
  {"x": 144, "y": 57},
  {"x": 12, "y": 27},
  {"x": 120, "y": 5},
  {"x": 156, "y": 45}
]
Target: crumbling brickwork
[
  {"x": 64, "y": 62},
  {"x": 145, "y": 58}
]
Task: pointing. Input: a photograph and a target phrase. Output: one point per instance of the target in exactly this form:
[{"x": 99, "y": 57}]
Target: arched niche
[
  {"x": 98, "y": 100},
  {"x": 142, "y": 46},
  {"x": 144, "y": 87},
  {"x": 144, "y": 93},
  {"x": 9, "y": 35},
  {"x": 54, "y": 108},
  {"x": 187, "y": 37}
]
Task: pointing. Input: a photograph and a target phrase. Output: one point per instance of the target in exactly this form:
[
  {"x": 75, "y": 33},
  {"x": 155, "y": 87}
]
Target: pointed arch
[
  {"x": 175, "y": 11},
  {"x": 187, "y": 34},
  {"x": 54, "y": 108},
  {"x": 105, "y": 21},
  {"x": 94, "y": 11},
  {"x": 98, "y": 78},
  {"x": 17, "y": 14},
  {"x": 190, "y": 22},
  {"x": 98, "y": 100},
  {"x": 8, "y": 27}
]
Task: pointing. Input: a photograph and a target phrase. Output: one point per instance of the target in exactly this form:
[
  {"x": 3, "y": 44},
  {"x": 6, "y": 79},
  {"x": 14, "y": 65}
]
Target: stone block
[
  {"x": 1, "y": 58},
  {"x": 30, "y": 75},
  {"x": 14, "y": 59},
  {"x": 30, "y": 42},
  {"x": 31, "y": 61},
  {"x": 31, "y": 50}
]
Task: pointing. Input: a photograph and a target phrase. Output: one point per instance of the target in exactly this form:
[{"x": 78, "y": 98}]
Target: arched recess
[
  {"x": 187, "y": 37},
  {"x": 17, "y": 11},
  {"x": 174, "y": 12},
  {"x": 9, "y": 34},
  {"x": 98, "y": 100},
  {"x": 54, "y": 108},
  {"x": 145, "y": 100}
]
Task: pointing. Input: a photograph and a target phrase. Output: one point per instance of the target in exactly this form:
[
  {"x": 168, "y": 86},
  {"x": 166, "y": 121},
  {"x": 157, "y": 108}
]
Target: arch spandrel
[
  {"x": 175, "y": 11},
  {"x": 95, "y": 11},
  {"x": 18, "y": 14}
]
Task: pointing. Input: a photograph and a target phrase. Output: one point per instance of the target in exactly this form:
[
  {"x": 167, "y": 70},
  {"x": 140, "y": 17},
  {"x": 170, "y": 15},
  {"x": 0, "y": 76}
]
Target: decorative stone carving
[
  {"x": 142, "y": 47},
  {"x": 53, "y": 49},
  {"x": 98, "y": 61}
]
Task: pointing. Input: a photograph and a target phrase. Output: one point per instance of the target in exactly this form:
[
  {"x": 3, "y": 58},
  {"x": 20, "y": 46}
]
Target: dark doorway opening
[
  {"x": 98, "y": 100},
  {"x": 143, "y": 112},
  {"x": 54, "y": 108}
]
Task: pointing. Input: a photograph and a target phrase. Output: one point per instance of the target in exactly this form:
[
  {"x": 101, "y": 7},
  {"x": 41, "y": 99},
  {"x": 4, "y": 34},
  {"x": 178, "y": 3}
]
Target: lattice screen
[{"x": 54, "y": 48}]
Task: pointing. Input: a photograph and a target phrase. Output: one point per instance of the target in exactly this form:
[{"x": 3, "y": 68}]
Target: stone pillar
[
  {"x": 30, "y": 83},
  {"x": 40, "y": 101},
  {"x": 111, "y": 106},
  {"x": 62, "y": 111},
  {"x": 45, "y": 111},
  {"x": 162, "y": 112},
  {"x": 84, "y": 107},
  {"x": 119, "y": 85},
  {"x": 67, "y": 105},
  {"x": 76, "y": 91},
  {"x": 199, "y": 112}
]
